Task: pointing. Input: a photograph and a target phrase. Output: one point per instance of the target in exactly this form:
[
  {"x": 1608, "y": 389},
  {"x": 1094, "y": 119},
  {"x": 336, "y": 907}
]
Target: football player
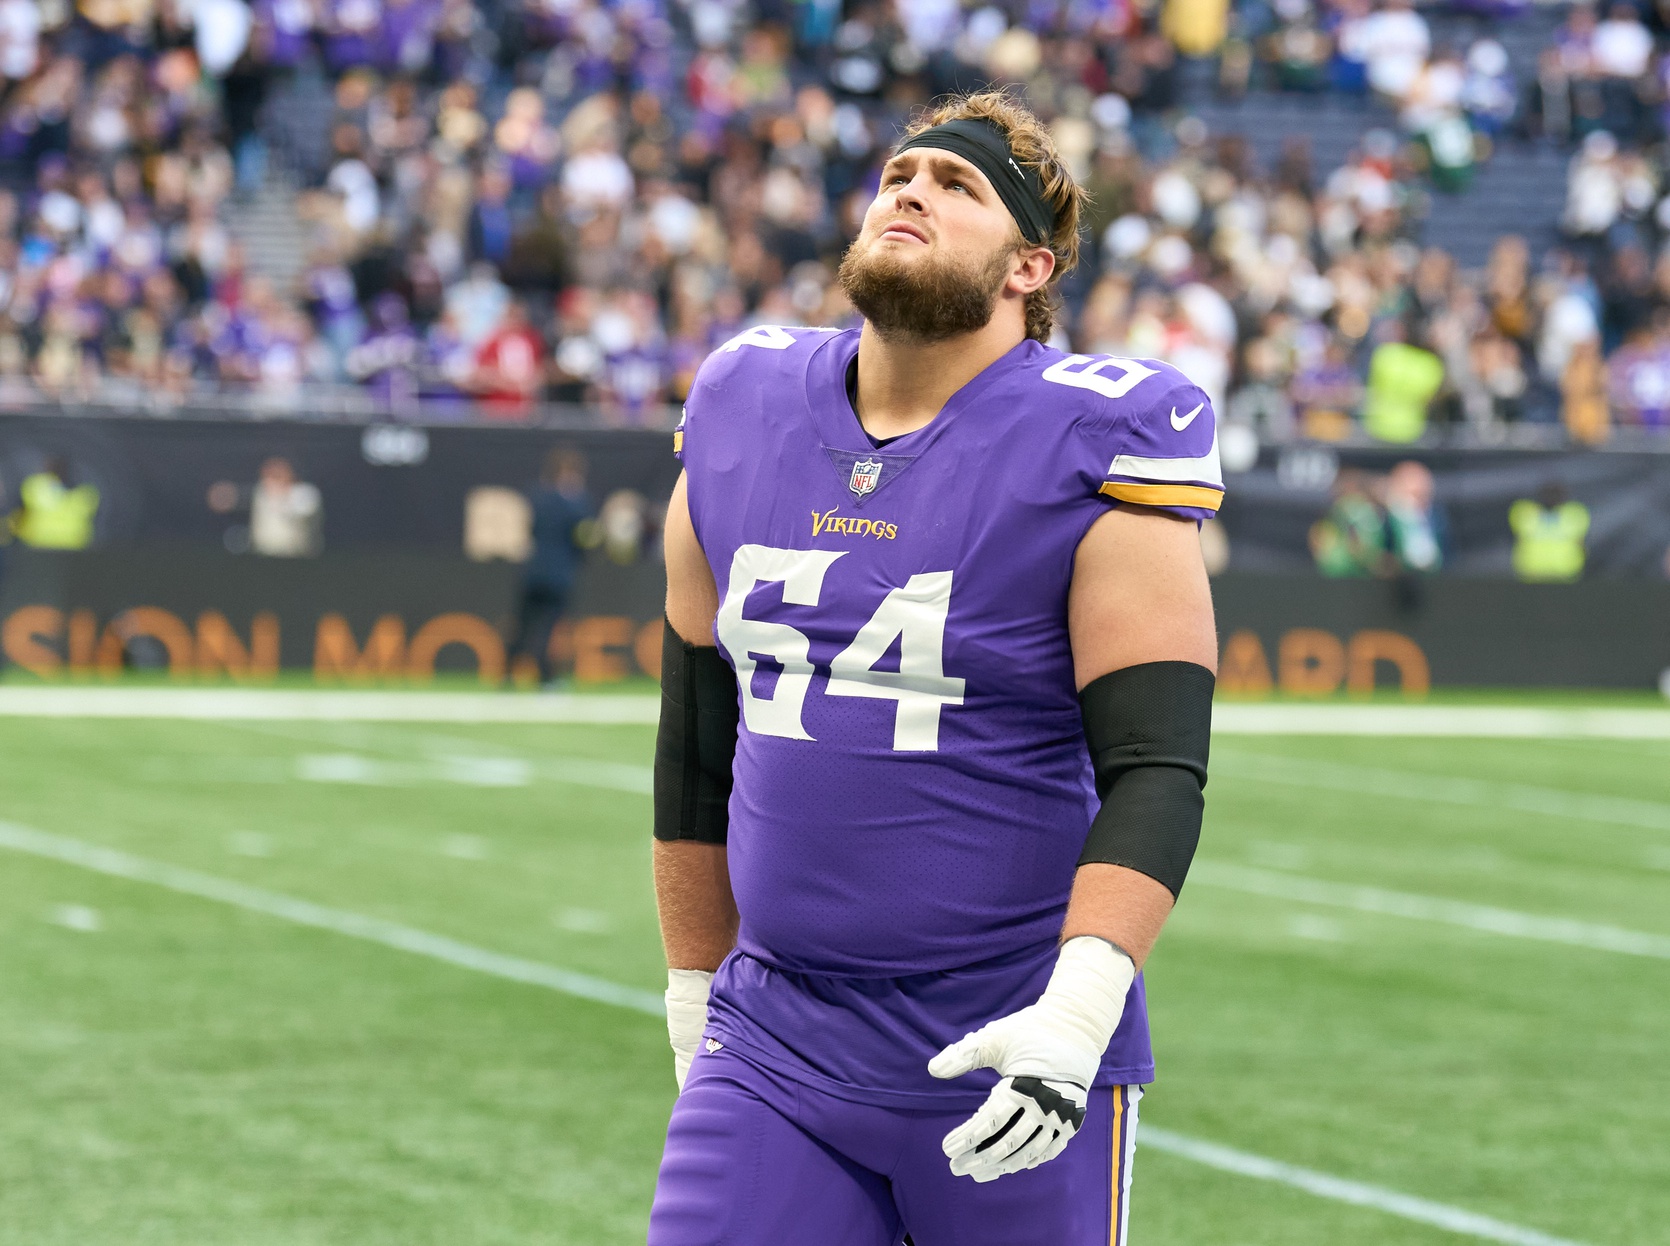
[{"x": 936, "y": 698}]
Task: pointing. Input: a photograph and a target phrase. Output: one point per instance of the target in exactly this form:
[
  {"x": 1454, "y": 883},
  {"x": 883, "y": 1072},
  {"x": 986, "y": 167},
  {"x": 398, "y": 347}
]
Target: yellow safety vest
[
  {"x": 1548, "y": 540},
  {"x": 1401, "y": 382},
  {"x": 53, "y": 515}
]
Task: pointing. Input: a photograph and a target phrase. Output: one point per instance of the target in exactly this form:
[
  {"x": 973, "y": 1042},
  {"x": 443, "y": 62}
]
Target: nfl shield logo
[{"x": 865, "y": 473}]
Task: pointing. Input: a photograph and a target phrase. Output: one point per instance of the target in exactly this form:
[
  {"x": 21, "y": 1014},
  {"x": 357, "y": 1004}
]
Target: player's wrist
[
  {"x": 687, "y": 992},
  {"x": 686, "y": 999},
  {"x": 1048, "y": 1054},
  {"x": 1087, "y": 990}
]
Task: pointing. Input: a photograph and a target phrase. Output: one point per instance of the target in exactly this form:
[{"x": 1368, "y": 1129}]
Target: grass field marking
[
  {"x": 616, "y": 776},
  {"x": 1440, "y": 789},
  {"x": 1229, "y": 718},
  {"x": 1478, "y": 721},
  {"x": 305, "y": 913},
  {"x": 1341, "y": 1190},
  {"x": 76, "y": 917},
  {"x": 583, "y": 771},
  {"x": 117, "y": 864},
  {"x": 1479, "y": 917},
  {"x": 578, "y": 771},
  {"x": 275, "y": 705}
]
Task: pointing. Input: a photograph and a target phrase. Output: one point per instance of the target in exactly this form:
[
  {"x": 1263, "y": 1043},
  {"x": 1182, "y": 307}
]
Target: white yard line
[
  {"x": 1340, "y": 1190},
  {"x": 274, "y": 705},
  {"x": 583, "y": 772},
  {"x": 341, "y": 921},
  {"x": 438, "y": 947},
  {"x": 1479, "y": 917},
  {"x": 1440, "y": 789},
  {"x": 579, "y": 771},
  {"x": 1479, "y": 721},
  {"x": 1230, "y": 718}
]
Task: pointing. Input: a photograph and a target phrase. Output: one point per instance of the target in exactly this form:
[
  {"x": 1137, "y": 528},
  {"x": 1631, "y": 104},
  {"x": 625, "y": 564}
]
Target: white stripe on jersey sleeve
[{"x": 1204, "y": 469}]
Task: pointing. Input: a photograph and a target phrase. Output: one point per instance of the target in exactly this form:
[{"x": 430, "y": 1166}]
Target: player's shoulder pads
[
  {"x": 757, "y": 362},
  {"x": 1150, "y": 434}
]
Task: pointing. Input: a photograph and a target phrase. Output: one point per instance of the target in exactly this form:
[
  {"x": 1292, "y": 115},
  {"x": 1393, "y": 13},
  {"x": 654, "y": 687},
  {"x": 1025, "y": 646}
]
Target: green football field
[{"x": 1418, "y": 991}]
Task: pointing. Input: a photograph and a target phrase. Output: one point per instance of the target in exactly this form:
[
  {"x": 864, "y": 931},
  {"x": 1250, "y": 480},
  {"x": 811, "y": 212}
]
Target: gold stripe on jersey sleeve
[
  {"x": 1164, "y": 495},
  {"x": 678, "y": 441}
]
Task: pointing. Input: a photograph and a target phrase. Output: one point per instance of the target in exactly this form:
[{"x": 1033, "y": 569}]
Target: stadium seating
[{"x": 297, "y": 197}]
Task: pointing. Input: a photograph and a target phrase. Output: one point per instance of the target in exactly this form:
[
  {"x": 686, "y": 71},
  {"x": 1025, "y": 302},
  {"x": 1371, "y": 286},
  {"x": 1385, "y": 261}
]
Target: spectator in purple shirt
[
  {"x": 389, "y": 360},
  {"x": 406, "y": 35},
  {"x": 334, "y": 302},
  {"x": 351, "y": 33},
  {"x": 1640, "y": 378},
  {"x": 1327, "y": 392},
  {"x": 283, "y": 33}
]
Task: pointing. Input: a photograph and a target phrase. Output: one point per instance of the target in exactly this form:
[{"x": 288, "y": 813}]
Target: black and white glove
[
  {"x": 686, "y": 997},
  {"x": 1048, "y": 1054}
]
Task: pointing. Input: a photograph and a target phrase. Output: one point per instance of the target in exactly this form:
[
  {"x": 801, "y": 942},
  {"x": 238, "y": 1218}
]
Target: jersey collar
[{"x": 837, "y": 423}]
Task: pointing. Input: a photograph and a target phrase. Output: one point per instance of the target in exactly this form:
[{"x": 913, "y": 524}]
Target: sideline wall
[
  {"x": 404, "y": 485},
  {"x": 1306, "y": 635},
  {"x": 368, "y": 617},
  {"x": 383, "y": 485}
]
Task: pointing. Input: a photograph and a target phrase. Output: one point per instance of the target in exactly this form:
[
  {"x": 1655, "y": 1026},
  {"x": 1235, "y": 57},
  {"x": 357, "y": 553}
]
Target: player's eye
[{"x": 960, "y": 186}]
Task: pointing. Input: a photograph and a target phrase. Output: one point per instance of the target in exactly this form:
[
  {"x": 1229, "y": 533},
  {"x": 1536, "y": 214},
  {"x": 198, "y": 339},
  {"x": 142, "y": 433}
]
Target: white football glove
[
  {"x": 686, "y": 997},
  {"x": 1048, "y": 1054}
]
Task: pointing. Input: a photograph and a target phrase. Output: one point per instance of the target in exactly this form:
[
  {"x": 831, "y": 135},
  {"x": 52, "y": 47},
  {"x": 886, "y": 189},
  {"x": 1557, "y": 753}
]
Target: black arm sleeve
[
  {"x": 1149, "y": 728},
  {"x": 696, "y": 742}
]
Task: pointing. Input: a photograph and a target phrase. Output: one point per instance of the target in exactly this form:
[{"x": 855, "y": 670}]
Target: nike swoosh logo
[{"x": 1181, "y": 424}]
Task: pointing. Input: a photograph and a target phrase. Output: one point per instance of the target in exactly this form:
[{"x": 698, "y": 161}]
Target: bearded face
[{"x": 928, "y": 297}]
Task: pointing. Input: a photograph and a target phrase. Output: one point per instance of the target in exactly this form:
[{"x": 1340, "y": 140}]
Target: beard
[{"x": 932, "y": 301}]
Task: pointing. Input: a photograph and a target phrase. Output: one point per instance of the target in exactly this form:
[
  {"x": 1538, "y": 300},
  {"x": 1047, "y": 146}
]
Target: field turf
[{"x": 182, "y": 1071}]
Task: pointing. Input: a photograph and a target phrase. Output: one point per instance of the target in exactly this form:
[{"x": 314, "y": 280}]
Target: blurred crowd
[
  {"x": 1393, "y": 526},
  {"x": 1382, "y": 526},
  {"x": 506, "y": 202}
]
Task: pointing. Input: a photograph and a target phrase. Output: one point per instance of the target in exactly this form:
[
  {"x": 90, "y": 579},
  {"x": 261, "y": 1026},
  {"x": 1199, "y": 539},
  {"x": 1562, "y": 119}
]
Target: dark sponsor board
[
  {"x": 401, "y": 616},
  {"x": 406, "y": 486},
  {"x": 383, "y": 486},
  {"x": 347, "y": 617},
  {"x": 1307, "y": 636}
]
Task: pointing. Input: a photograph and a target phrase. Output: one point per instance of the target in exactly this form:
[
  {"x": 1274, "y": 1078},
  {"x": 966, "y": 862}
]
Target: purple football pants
[{"x": 756, "y": 1159}]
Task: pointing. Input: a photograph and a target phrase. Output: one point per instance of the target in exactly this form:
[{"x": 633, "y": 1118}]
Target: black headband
[{"x": 983, "y": 145}]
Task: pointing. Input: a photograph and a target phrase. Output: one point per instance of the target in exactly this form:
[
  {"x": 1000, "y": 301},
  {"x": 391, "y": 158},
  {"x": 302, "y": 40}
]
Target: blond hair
[{"x": 1030, "y": 140}]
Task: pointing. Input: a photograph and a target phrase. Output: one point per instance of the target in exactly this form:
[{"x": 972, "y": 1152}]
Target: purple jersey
[
  {"x": 288, "y": 25},
  {"x": 406, "y": 36},
  {"x": 351, "y": 32},
  {"x": 912, "y": 784}
]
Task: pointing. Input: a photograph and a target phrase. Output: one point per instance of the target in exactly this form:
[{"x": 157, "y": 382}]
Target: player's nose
[{"x": 912, "y": 196}]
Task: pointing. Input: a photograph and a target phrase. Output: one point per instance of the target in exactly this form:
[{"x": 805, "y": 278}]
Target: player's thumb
[{"x": 963, "y": 1056}]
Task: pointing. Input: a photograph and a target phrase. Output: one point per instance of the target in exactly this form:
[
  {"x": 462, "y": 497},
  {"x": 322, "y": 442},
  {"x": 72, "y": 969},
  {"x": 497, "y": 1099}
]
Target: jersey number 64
[{"x": 913, "y": 614}]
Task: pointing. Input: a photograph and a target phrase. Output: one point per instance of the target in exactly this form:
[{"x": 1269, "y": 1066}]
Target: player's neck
[{"x": 903, "y": 383}]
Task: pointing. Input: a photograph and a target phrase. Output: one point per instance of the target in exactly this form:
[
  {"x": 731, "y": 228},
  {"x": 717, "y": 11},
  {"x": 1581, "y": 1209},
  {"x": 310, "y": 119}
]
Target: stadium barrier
[
  {"x": 413, "y": 485},
  {"x": 1303, "y": 635},
  {"x": 381, "y": 485},
  {"x": 1624, "y": 491},
  {"x": 354, "y": 618},
  {"x": 401, "y": 617}
]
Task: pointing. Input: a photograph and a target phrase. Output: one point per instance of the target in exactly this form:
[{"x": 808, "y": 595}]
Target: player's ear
[{"x": 1033, "y": 268}]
